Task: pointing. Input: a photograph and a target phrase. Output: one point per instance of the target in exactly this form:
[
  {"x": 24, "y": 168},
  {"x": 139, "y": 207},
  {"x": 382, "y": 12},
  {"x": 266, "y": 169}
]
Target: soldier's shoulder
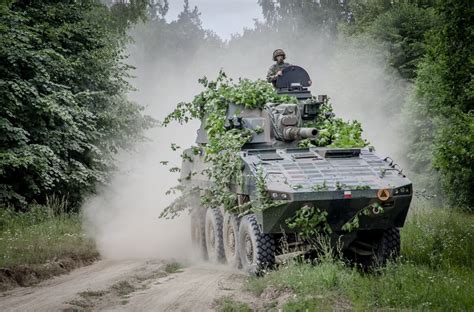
[{"x": 281, "y": 66}]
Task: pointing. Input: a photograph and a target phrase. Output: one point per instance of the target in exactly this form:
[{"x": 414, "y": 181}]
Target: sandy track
[
  {"x": 192, "y": 289},
  {"x": 52, "y": 295}
]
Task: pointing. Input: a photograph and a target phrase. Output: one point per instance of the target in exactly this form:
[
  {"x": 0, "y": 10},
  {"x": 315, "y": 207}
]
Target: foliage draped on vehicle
[
  {"x": 222, "y": 149},
  {"x": 334, "y": 131}
]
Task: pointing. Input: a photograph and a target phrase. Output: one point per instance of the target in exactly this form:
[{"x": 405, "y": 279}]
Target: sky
[{"x": 224, "y": 17}]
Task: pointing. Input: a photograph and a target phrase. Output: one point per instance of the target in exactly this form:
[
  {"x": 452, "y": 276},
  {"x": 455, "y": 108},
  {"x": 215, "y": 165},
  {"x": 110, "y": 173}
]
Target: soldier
[{"x": 276, "y": 69}]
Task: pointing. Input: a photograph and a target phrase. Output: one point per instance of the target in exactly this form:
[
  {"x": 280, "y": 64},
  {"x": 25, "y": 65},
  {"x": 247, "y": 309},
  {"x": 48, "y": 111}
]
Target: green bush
[{"x": 443, "y": 88}]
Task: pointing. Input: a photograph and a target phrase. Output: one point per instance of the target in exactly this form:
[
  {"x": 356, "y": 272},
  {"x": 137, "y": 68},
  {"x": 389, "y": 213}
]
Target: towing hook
[{"x": 376, "y": 210}]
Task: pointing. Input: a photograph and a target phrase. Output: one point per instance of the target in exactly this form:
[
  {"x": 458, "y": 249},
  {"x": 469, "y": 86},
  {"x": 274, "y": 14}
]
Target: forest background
[{"x": 65, "y": 80}]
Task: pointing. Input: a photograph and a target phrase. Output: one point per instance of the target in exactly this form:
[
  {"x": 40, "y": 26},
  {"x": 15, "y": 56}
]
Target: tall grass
[
  {"x": 42, "y": 234},
  {"x": 435, "y": 272},
  {"x": 439, "y": 238}
]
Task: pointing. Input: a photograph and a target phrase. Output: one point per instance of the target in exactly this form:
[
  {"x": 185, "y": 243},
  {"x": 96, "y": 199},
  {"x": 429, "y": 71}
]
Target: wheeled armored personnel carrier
[{"x": 363, "y": 199}]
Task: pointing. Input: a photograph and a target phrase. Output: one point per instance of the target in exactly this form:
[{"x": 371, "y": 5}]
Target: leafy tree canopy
[
  {"x": 64, "y": 112},
  {"x": 317, "y": 15}
]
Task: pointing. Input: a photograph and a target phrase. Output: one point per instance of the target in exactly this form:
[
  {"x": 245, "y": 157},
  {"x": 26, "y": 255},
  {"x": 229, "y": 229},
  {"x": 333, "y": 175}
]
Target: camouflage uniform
[{"x": 271, "y": 75}]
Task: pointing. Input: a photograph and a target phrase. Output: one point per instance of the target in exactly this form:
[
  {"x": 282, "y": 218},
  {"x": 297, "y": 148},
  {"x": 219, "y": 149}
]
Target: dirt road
[{"x": 138, "y": 285}]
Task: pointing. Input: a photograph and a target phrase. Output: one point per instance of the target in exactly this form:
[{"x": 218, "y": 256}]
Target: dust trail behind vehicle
[{"x": 123, "y": 217}]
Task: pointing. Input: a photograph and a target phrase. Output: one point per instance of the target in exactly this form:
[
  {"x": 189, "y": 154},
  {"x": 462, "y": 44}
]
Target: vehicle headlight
[
  {"x": 278, "y": 196},
  {"x": 404, "y": 190}
]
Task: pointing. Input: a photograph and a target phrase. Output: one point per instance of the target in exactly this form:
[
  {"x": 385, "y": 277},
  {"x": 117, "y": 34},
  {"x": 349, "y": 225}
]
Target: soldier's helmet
[{"x": 278, "y": 52}]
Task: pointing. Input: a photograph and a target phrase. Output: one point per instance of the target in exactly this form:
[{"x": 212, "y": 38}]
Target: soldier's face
[{"x": 280, "y": 59}]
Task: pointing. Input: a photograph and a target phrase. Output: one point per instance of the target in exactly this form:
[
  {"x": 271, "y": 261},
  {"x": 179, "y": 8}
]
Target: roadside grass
[
  {"x": 228, "y": 304},
  {"x": 439, "y": 238},
  {"x": 434, "y": 272},
  {"x": 173, "y": 267},
  {"x": 41, "y": 235},
  {"x": 123, "y": 288}
]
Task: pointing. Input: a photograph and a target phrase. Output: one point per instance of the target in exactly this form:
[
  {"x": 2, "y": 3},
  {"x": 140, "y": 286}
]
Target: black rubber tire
[
  {"x": 230, "y": 234},
  {"x": 385, "y": 246},
  {"x": 198, "y": 232},
  {"x": 388, "y": 247},
  {"x": 256, "y": 249},
  {"x": 213, "y": 234}
]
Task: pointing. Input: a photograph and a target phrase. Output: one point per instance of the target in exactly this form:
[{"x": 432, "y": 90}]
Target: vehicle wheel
[
  {"x": 213, "y": 231},
  {"x": 381, "y": 246},
  {"x": 388, "y": 247},
  {"x": 230, "y": 233},
  {"x": 198, "y": 232},
  {"x": 256, "y": 249}
]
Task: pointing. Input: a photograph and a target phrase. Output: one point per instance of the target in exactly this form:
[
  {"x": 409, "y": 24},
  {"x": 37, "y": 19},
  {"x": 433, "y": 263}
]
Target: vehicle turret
[{"x": 277, "y": 124}]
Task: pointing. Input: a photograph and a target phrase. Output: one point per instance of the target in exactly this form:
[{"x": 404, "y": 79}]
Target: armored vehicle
[{"x": 364, "y": 198}]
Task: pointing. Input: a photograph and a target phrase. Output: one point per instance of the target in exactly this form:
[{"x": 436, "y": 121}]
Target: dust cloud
[{"x": 123, "y": 217}]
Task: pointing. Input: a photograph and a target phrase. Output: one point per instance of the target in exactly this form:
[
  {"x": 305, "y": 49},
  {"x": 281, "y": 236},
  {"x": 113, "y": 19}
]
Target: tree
[
  {"x": 164, "y": 53},
  {"x": 402, "y": 31},
  {"x": 300, "y": 15},
  {"x": 64, "y": 113},
  {"x": 400, "y": 26},
  {"x": 445, "y": 86}
]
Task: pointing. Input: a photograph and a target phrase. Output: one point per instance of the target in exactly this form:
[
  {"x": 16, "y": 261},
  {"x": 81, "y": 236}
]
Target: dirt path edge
[{"x": 31, "y": 274}]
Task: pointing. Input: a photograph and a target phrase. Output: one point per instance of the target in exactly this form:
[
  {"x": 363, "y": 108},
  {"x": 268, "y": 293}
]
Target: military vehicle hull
[{"x": 341, "y": 182}]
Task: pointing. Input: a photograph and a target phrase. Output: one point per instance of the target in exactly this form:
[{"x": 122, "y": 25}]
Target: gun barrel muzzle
[
  {"x": 295, "y": 133},
  {"x": 308, "y": 133}
]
